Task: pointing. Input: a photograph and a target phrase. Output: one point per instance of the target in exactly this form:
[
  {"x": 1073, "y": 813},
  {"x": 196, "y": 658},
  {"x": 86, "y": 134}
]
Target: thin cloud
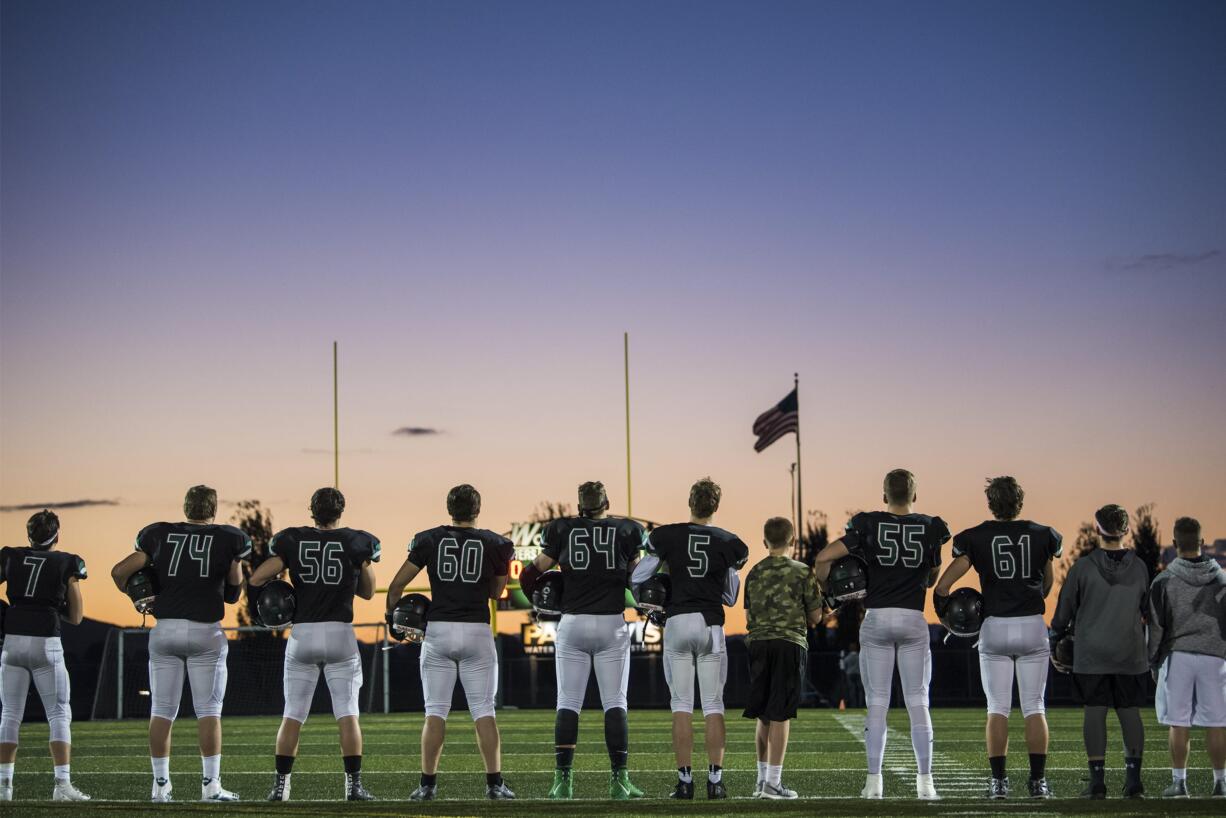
[
  {"x": 1162, "y": 262},
  {"x": 59, "y": 505},
  {"x": 417, "y": 431}
]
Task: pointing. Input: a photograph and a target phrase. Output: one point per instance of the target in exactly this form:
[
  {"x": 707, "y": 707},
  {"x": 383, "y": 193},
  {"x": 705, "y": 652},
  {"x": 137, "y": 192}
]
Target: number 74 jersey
[
  {"x": 191, "y": 562},
  {"x": 900, "y": 551},
  {"x": 324, "y": 565}
]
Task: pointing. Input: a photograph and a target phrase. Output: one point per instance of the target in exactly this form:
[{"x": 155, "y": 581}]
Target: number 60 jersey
[
  {"x": 324, "y": 565},
  {"x": 191, "y": 562},
  {"x": 900, "y": 551},
  {"x": 461, "y": 563}
]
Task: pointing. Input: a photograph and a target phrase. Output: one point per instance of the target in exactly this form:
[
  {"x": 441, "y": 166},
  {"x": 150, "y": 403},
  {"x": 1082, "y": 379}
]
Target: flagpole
[
  {"x": 800, "y": 506},
  {"x": 336, "y": 423},
  {"x": 626, "y": 367},
  {"x": 792, "y": 499}
]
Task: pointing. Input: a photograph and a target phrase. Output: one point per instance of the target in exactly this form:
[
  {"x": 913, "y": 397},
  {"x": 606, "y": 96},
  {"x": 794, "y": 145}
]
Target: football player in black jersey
[
  {"x": 198, "y": 571},
  {"x": 43, "y": 593},
  {"x": 902, "y": 552},
  {"x": 702, "y": 563},
  {"x": 467, "y": 567},
  {"x": 1013, "y": 559},
  {"x": 596, "y": 554},
  {"x": 327, "y": 565}
]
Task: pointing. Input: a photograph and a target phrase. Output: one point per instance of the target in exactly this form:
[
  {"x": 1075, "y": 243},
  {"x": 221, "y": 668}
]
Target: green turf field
[{"x": 825, "y": 764}]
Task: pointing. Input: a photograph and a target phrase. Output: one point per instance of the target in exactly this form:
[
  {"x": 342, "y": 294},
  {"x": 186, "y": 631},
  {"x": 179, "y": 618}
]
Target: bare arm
[
  {"x": 1049, "y": 578},
  {"x": 821, "y": 566},
  {"x": 126, "y": 567},
  {"x": 269, "y": 568},
  {"x": 76, "y": 606},
  {"x": 407, "y": 573},
  {"x": 956, "y": 570},
  {"x": 497, "y": 586},
  {"x": 815, "y": 617},
  {"x": 544, "y": 562},
  {"x": 366, "y": 581},
  {"x": 235, "y": 574}
]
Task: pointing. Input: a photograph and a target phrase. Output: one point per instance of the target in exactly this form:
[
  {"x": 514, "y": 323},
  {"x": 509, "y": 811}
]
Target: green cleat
[
  {"x": 563, "y": 788},
  {"x": 620, "y": 787}
]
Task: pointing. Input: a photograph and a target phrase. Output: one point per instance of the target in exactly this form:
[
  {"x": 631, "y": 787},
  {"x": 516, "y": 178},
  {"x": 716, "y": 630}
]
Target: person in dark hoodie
[
  {"x": 1187, "y": 653},
  {"x": 1104, "y": 599}
]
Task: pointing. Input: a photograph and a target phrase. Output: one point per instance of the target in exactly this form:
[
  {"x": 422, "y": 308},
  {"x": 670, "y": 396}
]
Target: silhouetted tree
[
  {"x": 256, "y": 522},
  {"x": 813, "y": 537},
  {"x": 546, "y": 511},
  {"x": 1147, "y": 539},
  {"x": 1087, "y": 540}
]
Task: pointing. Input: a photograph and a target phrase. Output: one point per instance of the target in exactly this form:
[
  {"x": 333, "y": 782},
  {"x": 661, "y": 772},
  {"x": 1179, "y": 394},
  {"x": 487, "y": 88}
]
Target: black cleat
[
  {"x": 716, "y": 791},
  {"x": 354, "y": 791},
  {"x": 684, "y": 791},
  {"x": 425, "y": 792},
  {"x": 280, "y": 789},
  {"x": 998, "y": 788},
  {"x": 1038, "y": 788},
  {"x": 1134, "y": 789},
  {"x": 499, "y": 792},
  {"x": 1095, "y": 791}
]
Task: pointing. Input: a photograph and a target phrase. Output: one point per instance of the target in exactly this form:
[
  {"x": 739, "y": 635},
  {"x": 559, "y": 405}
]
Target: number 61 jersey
[
  {"x": 1011, "y": 558},
  {"x": 461, "y": 563},
  {"x": 324, "y": 565},
  {"x": 900, "y": 551},
  {"x": 191, "y": 562}
]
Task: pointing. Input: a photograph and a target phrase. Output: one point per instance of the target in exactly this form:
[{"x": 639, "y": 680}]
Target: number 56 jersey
[
  {"x": 461, "y": 563},
  {"x": 324, "y": 565},
  {"x": 900, "y": 551},
  {"x": 1011, "y": 558},
  {"x": 191, "y": 562}
]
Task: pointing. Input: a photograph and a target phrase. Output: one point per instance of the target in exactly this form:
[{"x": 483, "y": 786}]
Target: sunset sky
[{"x": 991, "y": 238}]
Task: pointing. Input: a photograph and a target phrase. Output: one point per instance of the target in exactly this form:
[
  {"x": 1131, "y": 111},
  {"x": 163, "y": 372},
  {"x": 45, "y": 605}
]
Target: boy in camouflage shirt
[{"x": 781, "y": 603}]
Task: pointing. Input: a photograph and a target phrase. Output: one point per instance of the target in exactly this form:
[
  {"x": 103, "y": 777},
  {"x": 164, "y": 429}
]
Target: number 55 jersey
[
  {"x": 324, "y": 565},
  {"x": 900, "y": 551}
]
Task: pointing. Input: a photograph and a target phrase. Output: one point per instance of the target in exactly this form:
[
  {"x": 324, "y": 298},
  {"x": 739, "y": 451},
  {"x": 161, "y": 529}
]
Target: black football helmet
[
  {"x": 409, "y": 618},
  {"x": 547, "y": 594},
  {"x": 848, "y": 579},
  {"x": 655, "y": 593},
  {"x": 142, "y": 589},
  {"x": 276, "y": 605},
  {"x": 963, "y": 614}
]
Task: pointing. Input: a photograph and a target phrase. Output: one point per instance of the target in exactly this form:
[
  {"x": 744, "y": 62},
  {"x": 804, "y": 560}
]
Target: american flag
[{"x": 777, "y": 422}]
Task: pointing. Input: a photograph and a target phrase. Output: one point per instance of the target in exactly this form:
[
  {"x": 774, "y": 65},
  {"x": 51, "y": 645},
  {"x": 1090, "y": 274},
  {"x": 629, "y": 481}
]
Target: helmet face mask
[
  {"x": 142, "y": 589},
  {"x": 964, "y": 613},
  {"x": 410, "y": 616},
  {"x": 276, "y": 605},
  {"x": 547, "y": 596},
  {"x": 847, "y": 580}
]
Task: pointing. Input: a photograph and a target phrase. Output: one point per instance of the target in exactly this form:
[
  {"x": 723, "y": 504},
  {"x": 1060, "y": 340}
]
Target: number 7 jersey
[
  {"x": 900, "y": 551},
  {"x": 324, "y": 565},
  {"x": 191, "y": 562},
  {"x": 461, "y": 564}
]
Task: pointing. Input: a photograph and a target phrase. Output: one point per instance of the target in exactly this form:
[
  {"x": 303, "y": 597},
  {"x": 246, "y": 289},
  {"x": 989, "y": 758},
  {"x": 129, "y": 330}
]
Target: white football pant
[
  {"x": 328, "y": 645},
  {"x": 886, "y": 636},
  {"x": 691, "y": 644},
  {"x": 40, "y": 657},
  {"x": 200, "y": 648},
  {"x": 464, "y": 650},
  {"x": 592, "y": 640},
  {"x": 1010, "y": 645}
]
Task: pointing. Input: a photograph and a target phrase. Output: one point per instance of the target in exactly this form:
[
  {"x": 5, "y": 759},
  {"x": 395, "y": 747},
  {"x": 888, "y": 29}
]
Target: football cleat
[
  {"x": 1134, "y": 789},
  {"x": 757, "y": 788},
  {"x": 354, "y": 791},
  {"x": 1039, "y": 788},
  {"x": 499, "y": 792},
  {"x": 1177, "y": 789},
  {"x": 716, "y": 791},
  {"x": 873, "y": 786},
  {"x": 925, "y": 790},
  {"x": 777, "y": 791},
  {"x": 65, "y": 791},
  {"x": 6, "y": 789},
  {"x": 211, "y": 790},
  {"x": 280, "y": 789},
  {"x": 998, "y": 788},
  {"x": 1219, "y": 788},
  {"x": 620, "y": 787},
  {"x": 425, "y": 792},
  {"x": 1095, "y": 791},
  {"x": 563, "y": 788},
  {"x": 161, "y": 791},
  {"x": 683, "y": 791}
]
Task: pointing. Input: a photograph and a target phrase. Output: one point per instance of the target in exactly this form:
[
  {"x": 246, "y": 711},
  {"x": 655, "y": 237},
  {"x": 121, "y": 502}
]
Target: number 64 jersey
[
  {"x": 324, "y": 565},
  {"x": 461, "y": 563},
  {"x": 900, "y": 551}
]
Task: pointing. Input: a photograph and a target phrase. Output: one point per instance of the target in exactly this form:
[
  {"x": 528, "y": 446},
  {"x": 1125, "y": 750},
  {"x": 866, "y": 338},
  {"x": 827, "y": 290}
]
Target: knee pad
[
  {"x": 713, "y": 708},
  {"x": 482, "y": 710},
  {"x": 571, "y": 700},
  {"x": 164, "y": 710},
  {"x": 566, "y": 728},
  {"x": 439, "y": 711},
  {"x": 918, "y": 701},
  {"x": 211, "y": 709},
  {"x": 10, "y": 727},
  {"x": 1033, "y": 707}
]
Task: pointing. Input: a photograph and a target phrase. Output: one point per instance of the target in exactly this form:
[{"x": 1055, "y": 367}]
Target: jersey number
[
  {"x": 1003, "y": 560},
  {"x": 601, "y": 542},
  {"x": 462, "y": 562},
  {"x": 197, "y": 549},
  {"x": 900, "y": 543},
  {"x": 36, "y": 567},
  {"x": 321, "y": 562},
  {"x": 698, "y": 564}
]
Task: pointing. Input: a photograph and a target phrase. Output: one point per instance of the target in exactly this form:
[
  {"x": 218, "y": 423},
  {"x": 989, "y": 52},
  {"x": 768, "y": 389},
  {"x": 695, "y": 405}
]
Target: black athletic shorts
[
  {"x": 776, "y": 671},
  {"x": 1112, "y": 689}
]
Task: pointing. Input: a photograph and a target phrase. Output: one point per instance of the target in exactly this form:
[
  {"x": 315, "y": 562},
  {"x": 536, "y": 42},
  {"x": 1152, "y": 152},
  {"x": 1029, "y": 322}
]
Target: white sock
[
  {"x": 211, "y": 766},
  {"x": 684, "y": 777},
  {"x": 161, "y": 768},
  {"x": 6, "y": 771},
  {"x": 773, "y": 774},
  {"x": 1179, "y": 774},
  {"x": 714, "y": 775},
  {"x": 61, "y": 772},
  {"x": 762, "y": 765},
  {"x": 1219, "y": 775}
]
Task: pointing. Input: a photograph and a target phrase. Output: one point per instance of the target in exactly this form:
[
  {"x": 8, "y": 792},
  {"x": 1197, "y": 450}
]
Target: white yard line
[{"x": 951, "y": 776}]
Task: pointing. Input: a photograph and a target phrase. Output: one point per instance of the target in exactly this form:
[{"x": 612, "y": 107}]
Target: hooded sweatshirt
[
  {"x": 1187, "y": 610},
  {"x": 1103, "y": 600}
]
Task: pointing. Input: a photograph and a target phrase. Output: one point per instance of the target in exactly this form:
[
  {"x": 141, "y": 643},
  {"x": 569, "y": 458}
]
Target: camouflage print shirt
[{"x": 779, "y": 594}]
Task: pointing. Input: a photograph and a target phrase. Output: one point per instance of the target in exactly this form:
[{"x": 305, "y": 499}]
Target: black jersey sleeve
[
  {"x": 631, "y": 540},
  {"x": 240, "y": 543},
  {"x": 1055, "y": 543},
  {"x": 76, "y": 568},
  {"x": 372, "y": 550},
  {"x": 147, "y": 540},
  {"x": 553, "y": 541},
  {"x": 856, "y": 535},
  {"x": 504, "y": 549},
  {"x": 738, "y": 553},
  {"x": 939, "y": 535},
  {"x": 421, "y": 550}
]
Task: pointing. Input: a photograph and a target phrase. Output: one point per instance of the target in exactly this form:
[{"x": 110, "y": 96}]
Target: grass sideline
[{"x": 825, "y": 764}]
